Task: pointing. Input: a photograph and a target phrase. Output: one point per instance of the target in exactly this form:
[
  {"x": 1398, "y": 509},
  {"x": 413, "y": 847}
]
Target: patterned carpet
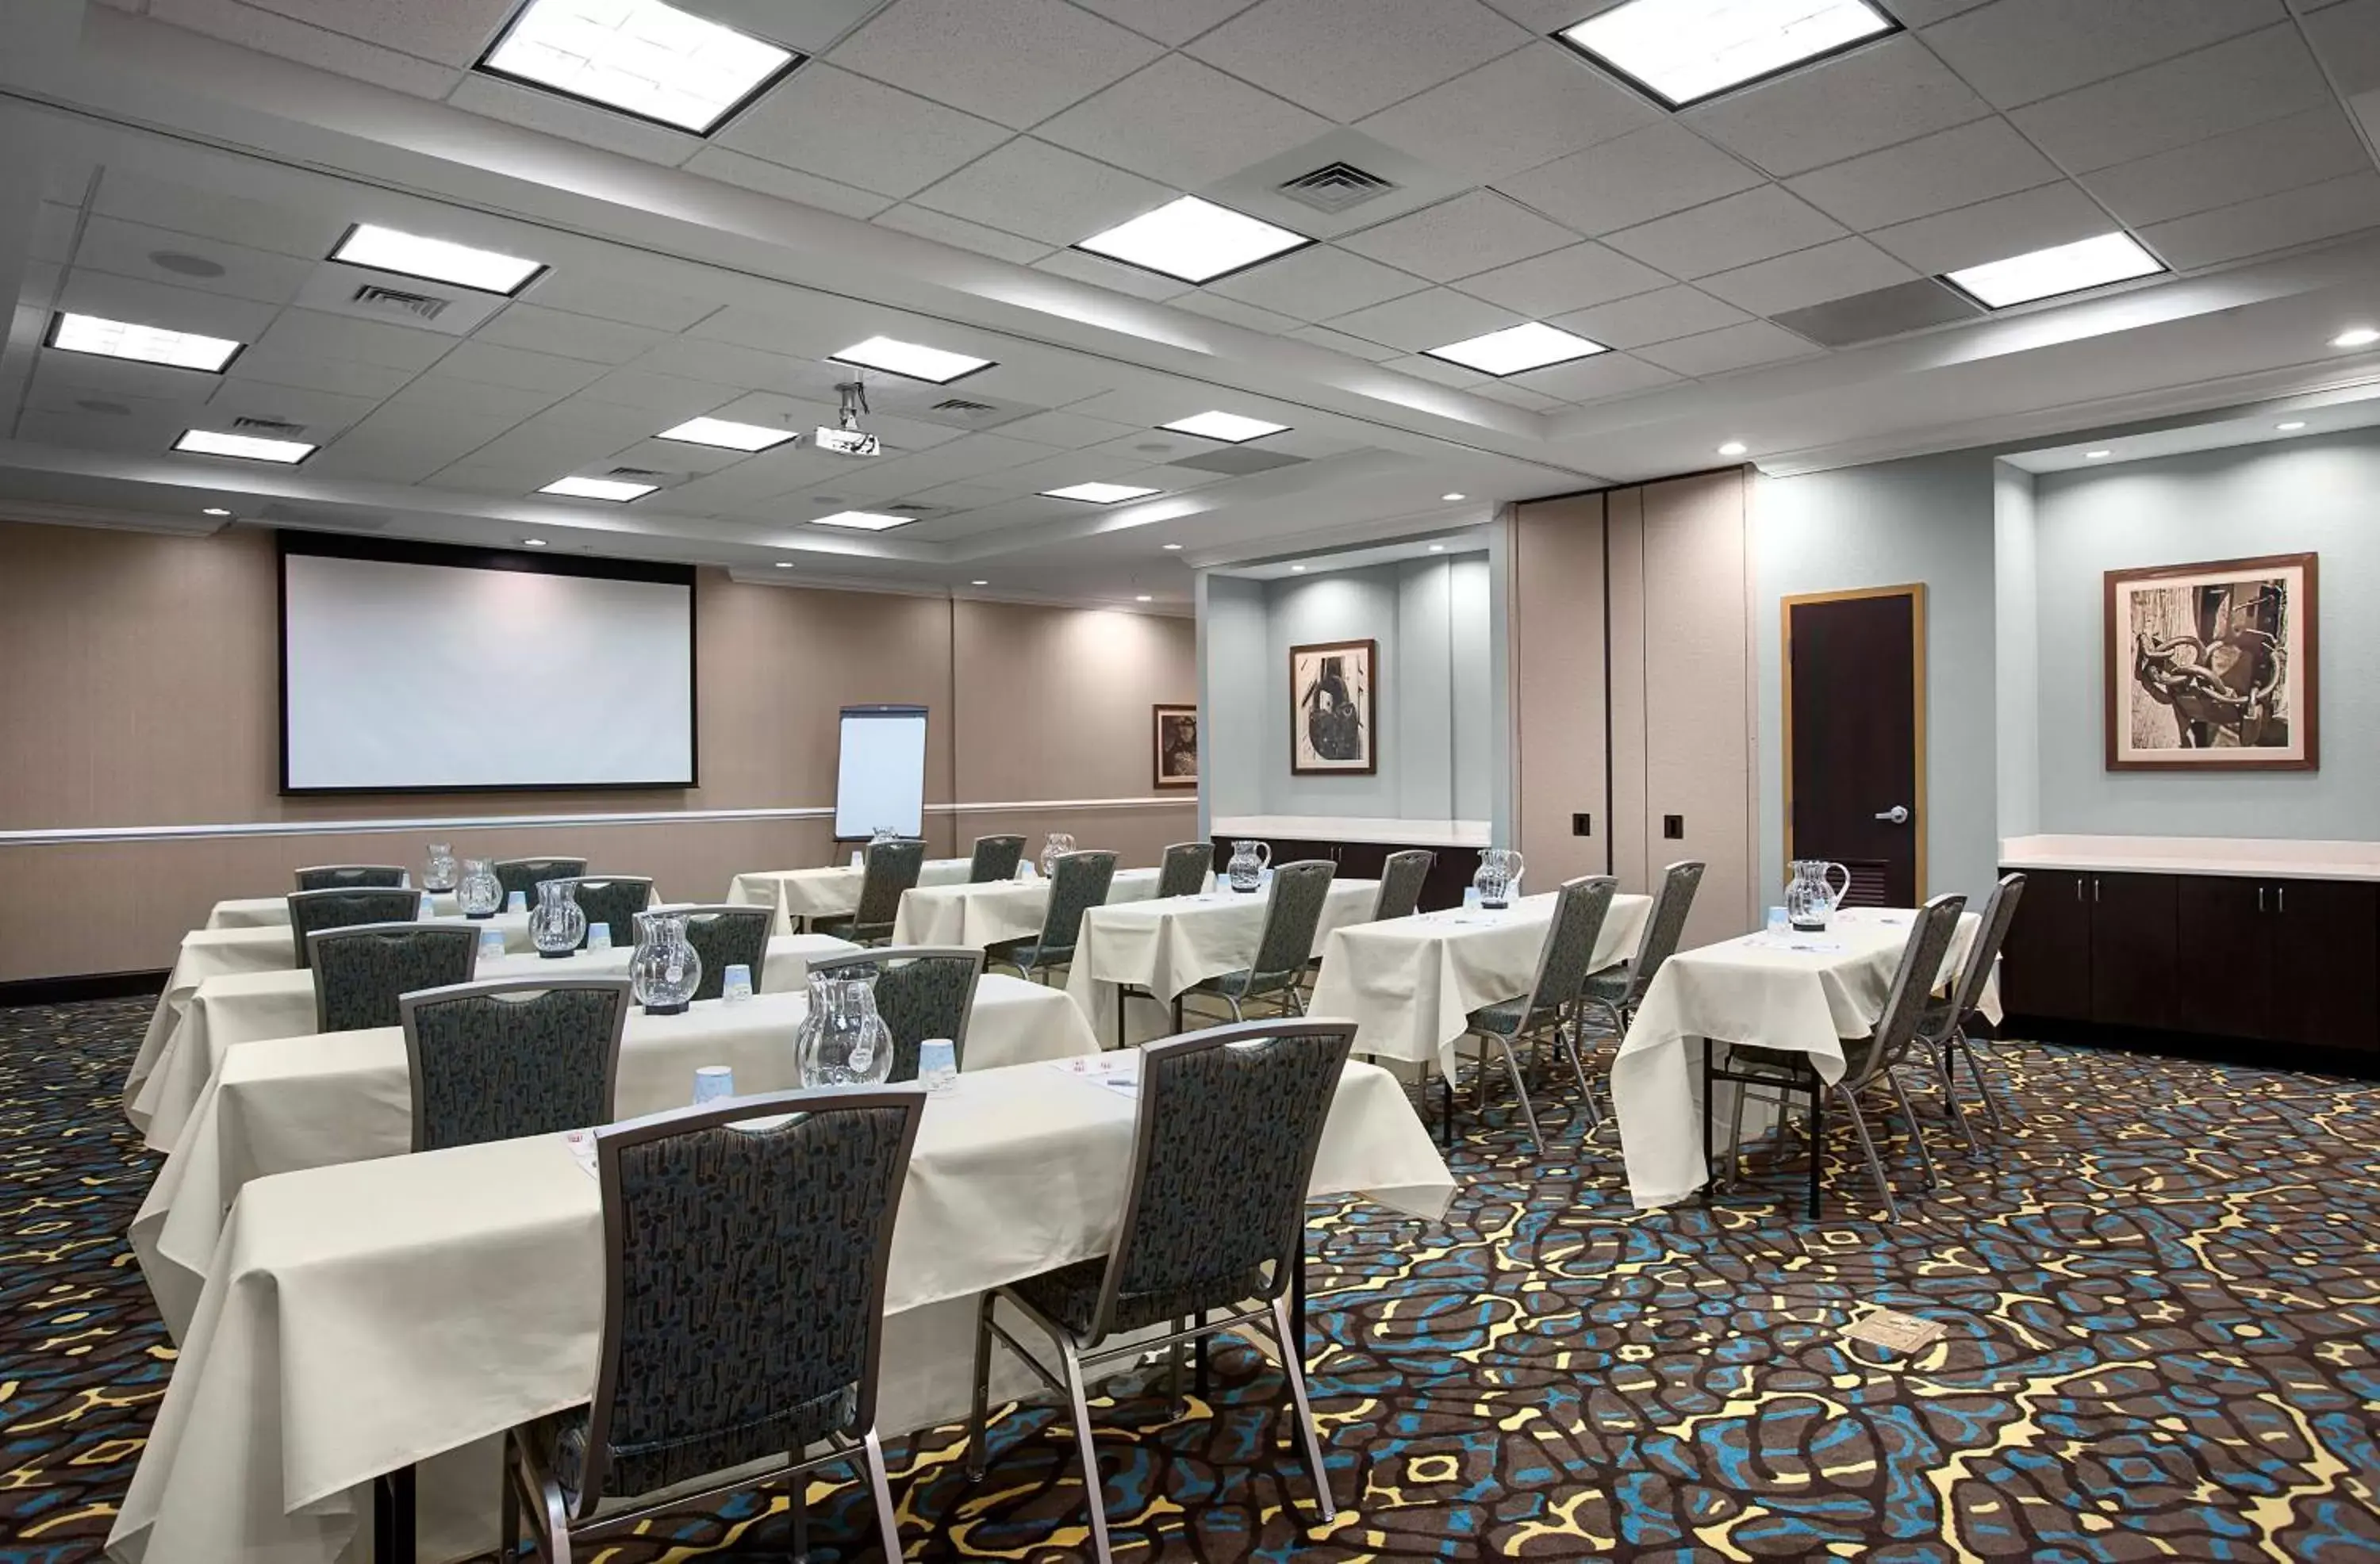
[{"x": 2162, "y": 1296}]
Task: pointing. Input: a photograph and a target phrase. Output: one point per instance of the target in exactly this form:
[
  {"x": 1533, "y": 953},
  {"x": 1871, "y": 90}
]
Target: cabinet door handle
[
  {"x": 2094, "y": 887},
  {"x": 2281, "y": 898},
  {"x": 2260, "y": 898},
  {"x": 2078, "y": 887}
]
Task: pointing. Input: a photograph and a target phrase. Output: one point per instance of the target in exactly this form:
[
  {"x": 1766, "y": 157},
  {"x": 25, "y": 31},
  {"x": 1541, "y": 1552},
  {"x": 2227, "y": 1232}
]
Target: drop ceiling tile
[
  {"x": 1182, "y": 123},
  {"x": 321, "y": 413},
  {"x": 2347, "y": 38},
  {"x": 1068, "y": 431},
  {"x": 1878, "y": 96},
  {"x": 1632, "y": 179},
  {"x": 453, "y": 33},
  {"x": 271, "y": 34},
  {"x": 1111, "y": 274},
  {"x": 401, "y": 445},
  {"x": 1651, "y": 317},
  {"x": 188, "y": 210},
  {"x": 809, "y": 28},
  {"x": 174, "y": 306},
  {"x": 705, "y": 359},
  {"x": 1925, "y": 13},
  {"x": 858, "y": 132},
  {"x": 1567, "y": 279},
  {"x": 1032, "y": 187},
  {"x": 308, "y": 333},
  {"x": 1473, "y": 232},
  {"x": 519, "y": 369},
  {"x": 614, "y": 298},
  {"x": 146, "y": 436},
  {"x": 1340, "y": 342},
  {"x": 672, "y": 398},
  {"x": 1956, "y": 167},
  {"x": 1518, "y": 397},
  {"x": 1014, "y": 61},
  {"x": 53, "y": 232},
  {"x": 1233, "y": 312},
  {"x": 1994, "y": 230},
  {"x": 573, "y": 120},
  {"x": 570, "y": 336},
  {"x": 309, "y": 371},
  {"x": 1531, "y": 106},
  {"x": 2244, "y": 81},
  {"x": 928, "y": 224},
  {"x": 2021, "y": 51},
  {"x": 2304, "y": 149},
  {"x": 678, "y": 457},
  {"x": 1159, "y": 445},
  {"x": 1315, "y": 53},
  {"x": 1809, "y": 276},
  {"x": 128, "y": 250},
  {"x": 767, "y": 407},
  {"x": 75, "y": 375},
  {"x": 1432, "y": 318},
  {"x": 1731, "y": 347},
  {"x": 785, "y": 184},
  {"x": 963, "y": 496},
  {"x": 2273, "y": 223},
  {"x": 1590, "y": 379},
  {"x": 501, "y": 406},
  {"x": 1315, "y": 283},
  {"x": 1438, "y": 369},
  {"x": 1731, "y": 232},
  {"x": 1168, "y": 21}
]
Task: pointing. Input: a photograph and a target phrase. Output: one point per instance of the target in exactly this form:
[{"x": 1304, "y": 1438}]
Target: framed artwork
[
  {"x": 1174, "y": 732},
  {"x": 1333, "y": 688},
  {"x": 2212, "y": 667}
]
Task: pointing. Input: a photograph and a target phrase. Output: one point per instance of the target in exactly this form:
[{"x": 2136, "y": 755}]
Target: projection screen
[{"x": 415, "y": 668}]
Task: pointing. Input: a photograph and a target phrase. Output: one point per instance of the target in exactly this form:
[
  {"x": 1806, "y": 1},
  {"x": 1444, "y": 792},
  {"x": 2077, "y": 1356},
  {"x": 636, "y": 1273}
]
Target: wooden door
[
  {"x": 2323, "y": 990},
  {"x": 2133, "y": 955},
  {"x": 1855, "y": 738},
  {"x": 2223, "y": 934},
  {"x": 2046, "y": 966}
]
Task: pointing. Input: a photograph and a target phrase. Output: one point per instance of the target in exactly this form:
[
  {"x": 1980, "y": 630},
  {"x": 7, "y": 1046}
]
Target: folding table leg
[{"x": 393, "y": 1517}]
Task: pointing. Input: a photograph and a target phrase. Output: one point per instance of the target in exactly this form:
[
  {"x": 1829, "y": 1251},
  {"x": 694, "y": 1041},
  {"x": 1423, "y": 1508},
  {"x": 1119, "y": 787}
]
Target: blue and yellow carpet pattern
[{"x": 2161, "y": 1290}]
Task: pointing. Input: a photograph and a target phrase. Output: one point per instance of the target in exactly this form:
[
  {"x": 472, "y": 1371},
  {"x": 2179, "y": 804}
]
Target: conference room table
[
  {"x": 1007, "y": 909},
  {"x": 1410, "y": 984},
  {"x": 1163, "y": 947},
  {"x": 326, "y": 1349},
  {"x": 282, "y": 1104},
  {"x": 1800, "y": 992},
  {"x": 832, "y": 890},
  {"x": 224, "y": 1012}
]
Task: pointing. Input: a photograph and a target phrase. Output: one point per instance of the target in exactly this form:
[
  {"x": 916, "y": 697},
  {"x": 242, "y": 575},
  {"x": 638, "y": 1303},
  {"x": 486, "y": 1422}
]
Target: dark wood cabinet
[
  {"x": 2134, "y": 952},
  {"x": 2046, "y": 966},
  {"x": 2222, "y": 922},
  {"x": 1450, "y": 873}
]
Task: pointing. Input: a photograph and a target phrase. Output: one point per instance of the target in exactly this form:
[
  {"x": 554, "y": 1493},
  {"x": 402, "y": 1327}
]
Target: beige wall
[
  {"x": 1555, "y": 623},
  {"x": 139, "y": 687}
]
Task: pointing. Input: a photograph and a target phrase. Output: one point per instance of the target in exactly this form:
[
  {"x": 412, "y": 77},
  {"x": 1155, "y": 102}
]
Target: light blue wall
[
  {"x": 2017, "y": 623},
  {"x": 1231, "y": 663},
  {"x": 2319, "y": 495}
]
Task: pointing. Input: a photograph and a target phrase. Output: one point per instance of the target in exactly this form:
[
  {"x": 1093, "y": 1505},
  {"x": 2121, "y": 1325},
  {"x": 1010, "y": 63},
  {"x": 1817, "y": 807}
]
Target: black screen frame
[{"x": 398, "y": 551}]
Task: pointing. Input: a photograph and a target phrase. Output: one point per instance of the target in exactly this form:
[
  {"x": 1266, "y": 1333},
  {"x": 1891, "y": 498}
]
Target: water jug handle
[
  {"x": 1828, "y": 876},
  {"x": 1264, "y": 854}
]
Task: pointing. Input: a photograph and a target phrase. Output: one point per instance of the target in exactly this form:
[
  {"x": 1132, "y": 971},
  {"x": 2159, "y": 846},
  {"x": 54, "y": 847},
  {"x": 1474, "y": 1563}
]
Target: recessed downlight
[
  {"x": 1173, "y": 548},
  {"x": 785, "y": 564},
  {"x": 1230, "y": 428},
  {"x": 533, "y": 542},
  {"x": 1734, "y": 448},
  {"x": 1515, "y": 349},
  {"x": 1193, "y": 241},
  {"x": 637, "y": 57},
  {"x": 412, "y": 255},
  {"x": 2061, "y": 269},
  {"x": 616, "y": 491},
  {"x": 1100, "y": 494},
  {"x": 1437, "y": 548},
  {"x": 2291, "y": 426},
  {"x": 1684, "y": 50},
  {"x": 246, "y": 447},
  {"x": 1297, "y": 569},
  {"x": 978, "y": 583},
  {"x": 911, "y": 361},
  {"x": 2356, "y": 337},
  {"x": 2096, "y": 456},
  {"x": 214, "y": 510},
  {"x": 1144, "y": 598},
  {"x": 96, "y": 335},
  {"x": 1450, "y": 498}
]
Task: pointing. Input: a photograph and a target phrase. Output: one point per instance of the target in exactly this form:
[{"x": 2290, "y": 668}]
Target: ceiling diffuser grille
[
  {"x": 1335, "y": 187},
  {"x": 961, "y": 405},
  {"x": 427, "y": 306},
  {"x": 274, "y": 428},
  {"x": 639, "y": 475}
]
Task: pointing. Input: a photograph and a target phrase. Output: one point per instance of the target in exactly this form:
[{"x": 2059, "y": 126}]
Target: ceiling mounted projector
[{"x": 847, "y": 439}]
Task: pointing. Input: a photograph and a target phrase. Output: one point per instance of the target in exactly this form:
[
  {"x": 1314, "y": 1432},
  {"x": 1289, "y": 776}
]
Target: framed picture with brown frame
[
  {"x": 1174, "y": 733},
  {"x": 2211, "y": 666},
  {"x": 1333, "y": 694}
]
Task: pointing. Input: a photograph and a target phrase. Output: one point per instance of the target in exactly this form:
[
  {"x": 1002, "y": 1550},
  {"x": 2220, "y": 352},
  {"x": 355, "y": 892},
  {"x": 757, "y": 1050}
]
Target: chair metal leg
[
  {"x": 1983, "y": 1088},
  {"x": 1176, "y": 1406},
  {"x": 1585, "y": 1093},
  {"x": 1708, "y": 1046},
  {"x": 1446, "y": 1111},
  {"x": 1735, "y": 1132},
  {"x": 1198, "y": 1378},
  {"x": 1950, "y": 1081},
  {"x": 1095, "y": 1497},
  {"x": 798, "y": 1502},
  {"x": 1916, "y": 1130},
  {"x": 1818, "y": 1143},
  {"x": 1292, "y": 1353},
  {"x": 888, "y": 1520},
  {"x": 1520, "y": 1089},
  {"x": 976, "y": 1434},
  {"x": 1867, "y": 1145},
  {"x": 509, "y": 1513}
]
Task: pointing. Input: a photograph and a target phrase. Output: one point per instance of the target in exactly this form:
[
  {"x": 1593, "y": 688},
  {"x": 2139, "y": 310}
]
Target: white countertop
[
  {"x": 1342, "y": 828},
  {"x": 2248, "y": 856}
]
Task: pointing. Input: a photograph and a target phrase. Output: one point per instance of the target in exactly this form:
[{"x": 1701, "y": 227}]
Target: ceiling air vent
[
  {"x": 421, "y": 306},
  {"x": 1335, "y": 187},
  {"x": 272, "y": 428},
  {"x": 913, "y": 509},
  {"x": 964, "y": 408},
  {"x": 641, "y": 475}
]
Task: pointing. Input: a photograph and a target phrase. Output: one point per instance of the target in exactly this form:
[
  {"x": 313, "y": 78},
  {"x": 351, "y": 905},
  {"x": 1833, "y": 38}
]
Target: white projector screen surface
[
  {"x": 880, "y": 778},
  {"x": 398, "y": 676}
]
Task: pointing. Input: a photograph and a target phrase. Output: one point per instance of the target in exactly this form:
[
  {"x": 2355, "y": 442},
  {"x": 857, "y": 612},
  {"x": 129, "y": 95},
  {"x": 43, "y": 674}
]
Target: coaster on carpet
[{"x": 1894, "y": 1331}]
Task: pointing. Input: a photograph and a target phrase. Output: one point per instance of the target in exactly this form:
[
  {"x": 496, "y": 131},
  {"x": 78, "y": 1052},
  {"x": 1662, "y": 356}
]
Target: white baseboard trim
[{"x": 65, "y": 836}]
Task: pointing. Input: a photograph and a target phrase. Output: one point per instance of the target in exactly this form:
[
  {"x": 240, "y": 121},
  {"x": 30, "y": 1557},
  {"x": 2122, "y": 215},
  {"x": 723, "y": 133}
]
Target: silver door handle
[{"x": 1898, "y": 815}]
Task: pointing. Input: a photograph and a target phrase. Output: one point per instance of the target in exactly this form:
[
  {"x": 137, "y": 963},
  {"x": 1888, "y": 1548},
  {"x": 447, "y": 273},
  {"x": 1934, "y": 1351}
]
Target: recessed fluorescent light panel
[
  {"x": 2046, "y": 274},
  {"x": 863, "y": 521},
  {"x": 640, "y": 57},
  {"x": 612, "y": 489},
  {"x": 728, "y": 435},
  {"x": 1516, "y": 348},
  {"x": 910, "y": 360},
  {"x": 143, "y": 344},
  {"x": 246, "y": 447},
  {"x": 410, "y": 255},
  {"x": 1684, "y": 50},
  {"x": 1099, "y": 494},
  {"x": 1230, "y": 428},
  {"x": 1193, "y": 241}
]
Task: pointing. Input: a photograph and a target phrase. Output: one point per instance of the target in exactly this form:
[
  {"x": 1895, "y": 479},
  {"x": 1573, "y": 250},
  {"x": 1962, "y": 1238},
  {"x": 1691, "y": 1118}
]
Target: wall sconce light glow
[
  {"x": 1099, "y": 494},
  {"x": 1144, "y": 598},
  {"x": 785, "y": 564},
  {"x": 2096, "y": 456},
  {"x": 1173, "y": 548},
  {"x": 143, "y": 344},
  {"x": 1684, "y": 50},
  {"x": 1734, "y": 448},
  {"x": 911, "y": 361},
  {"x": 616, "y": 491},
  {"x": 214, "y": 510},
  {"x": 410, "y": 255},
  {"x": 728, "y": 435},
  {"x": 978, "y": 583},
  {"x": 1453, "y": 497},
  {"x": 640, "y": 58},
  {"x": 1230, "y": 428},
  {"x": 1437, "y": 548},
  {"x": 246, "y": 447},
  {"x": 1298, "y": 569},
  {"x": 2061, "y": 269},
  {"x": 1193, "y": 241},
  {"x": 863, "y": 521},
  {"x": 2292, "y": 425},
  {"x": 2356, "y": 337},
  {"x": 533, "y": 542},
  {"x": 1531, "y": 346}
]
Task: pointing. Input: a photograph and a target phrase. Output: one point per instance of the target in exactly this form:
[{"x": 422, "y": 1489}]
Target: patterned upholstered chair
[
  {"x": 1402, "y": 878},
  {"x": 525, "y": 1056},
  {"x": 725, "y": 935},
  {"x": 1549, "y": 1007},
  {"x": 892, "y": 869},
  {"x": 313, "y": 911},
  {"x": 1079, "y": 882},
  {"x": 610, "y": 899},
  {"x": 361, "y": 971},
  {"x": 745, "y": 1247},
  {"x": 1293, "y": 916},
  {"x": 921, "y": 991},
  {"x": 1785, "y": 1074},
  {"x": 522, "y": 874},
  {"x": 1226, "y": 1131},
  {"x": 994, "y": 859},
  {"x": 1942, "y": 1029},
  {"x": 351, "y": 876},
  {"x": 1183, "y": 870},
  {"x": 1612, "y": 994}
]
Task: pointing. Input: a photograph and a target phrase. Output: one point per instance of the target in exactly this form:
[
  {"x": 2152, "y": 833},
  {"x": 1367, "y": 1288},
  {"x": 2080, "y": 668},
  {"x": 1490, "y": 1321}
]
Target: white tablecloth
[
  {"x": 1164, "y": 947},
  {"x": 1805, "y": 993},
  {"x": 327, "y": 1349},
  {"x": 826, "y": 892},
  {"x": 287, "y": 1103},
  {"x": 1410, "y": 984},
  {"x": 226, "y": 1011},
  {"x": 272, "y": 912},
  {"x": 984, "y": 914}
]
